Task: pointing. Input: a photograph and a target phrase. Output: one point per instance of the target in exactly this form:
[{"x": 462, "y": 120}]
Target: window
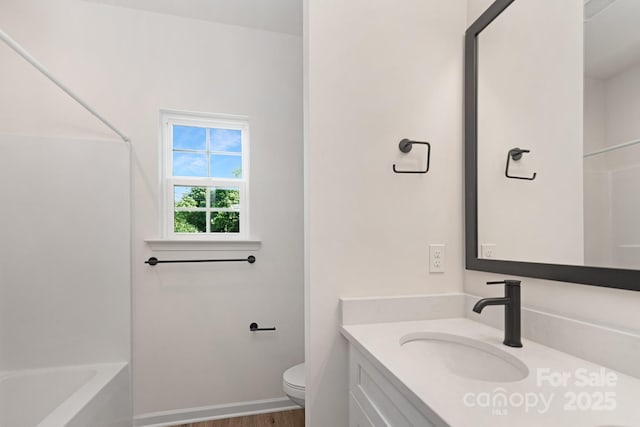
[{"x": 205, "y": 176}]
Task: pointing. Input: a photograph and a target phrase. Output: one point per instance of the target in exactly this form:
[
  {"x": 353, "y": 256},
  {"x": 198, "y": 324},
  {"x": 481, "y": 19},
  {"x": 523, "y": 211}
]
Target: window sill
[{"x": 203, "y": 245}]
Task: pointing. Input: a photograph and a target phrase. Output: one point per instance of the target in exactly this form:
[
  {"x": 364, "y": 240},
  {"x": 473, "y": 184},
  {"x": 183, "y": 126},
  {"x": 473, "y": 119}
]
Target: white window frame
[{"x": 168, "y": 181}]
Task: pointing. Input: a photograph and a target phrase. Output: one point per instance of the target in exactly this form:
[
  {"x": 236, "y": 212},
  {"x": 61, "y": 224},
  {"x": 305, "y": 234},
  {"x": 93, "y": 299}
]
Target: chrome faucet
[{"x": 511, "y": 302}]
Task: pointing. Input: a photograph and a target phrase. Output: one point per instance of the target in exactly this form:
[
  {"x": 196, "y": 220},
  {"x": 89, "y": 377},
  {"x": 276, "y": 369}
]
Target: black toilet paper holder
[{"x": 255, "y": 328}]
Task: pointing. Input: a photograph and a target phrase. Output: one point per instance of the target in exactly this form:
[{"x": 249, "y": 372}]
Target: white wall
[
  {"x": 595, "y": 115},
  {"x": 530, "y": 96},
  {"x": 597, "y": 181},
  {"x": 65, "y": 289},
  {"x": 614, "y": 307},
  {"x": 625, "y": 207},
  {"x": 623, "y": 106},
  {"x": 192, "y": 346},
  {"x": 598, "y": 224},
  {"x": 612, "y": 106},
  {"x": 612, "y": 233},
  {"x": 378, "y": 71}
]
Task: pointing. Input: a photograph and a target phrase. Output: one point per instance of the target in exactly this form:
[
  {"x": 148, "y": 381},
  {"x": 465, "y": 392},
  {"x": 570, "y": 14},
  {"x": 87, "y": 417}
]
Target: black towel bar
[{"x": 153, "y": 260}]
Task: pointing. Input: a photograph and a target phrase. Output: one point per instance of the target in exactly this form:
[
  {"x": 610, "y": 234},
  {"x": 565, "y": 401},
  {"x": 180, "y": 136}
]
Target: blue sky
[
  {"x": 195, "y": 163},
  {"x": 179, "y": 191}
]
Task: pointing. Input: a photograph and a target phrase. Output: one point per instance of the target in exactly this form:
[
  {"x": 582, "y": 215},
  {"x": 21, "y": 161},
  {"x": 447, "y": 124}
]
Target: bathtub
[{"x": 75, "y": 396}]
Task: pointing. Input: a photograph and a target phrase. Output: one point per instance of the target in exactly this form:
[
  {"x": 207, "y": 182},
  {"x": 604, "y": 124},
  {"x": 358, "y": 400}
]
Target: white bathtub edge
[
  {"x": 216, "y": 412},
  {"x": 68, "y": 409}
]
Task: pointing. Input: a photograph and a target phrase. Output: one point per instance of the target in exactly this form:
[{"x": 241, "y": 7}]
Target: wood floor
[{"x": 293, "y": 418}]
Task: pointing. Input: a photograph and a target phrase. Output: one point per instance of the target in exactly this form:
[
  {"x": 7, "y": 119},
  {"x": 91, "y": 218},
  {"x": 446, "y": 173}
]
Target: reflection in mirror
[
  {"x": 612, "y": 133},
  {"x": 578, "y": 115}
]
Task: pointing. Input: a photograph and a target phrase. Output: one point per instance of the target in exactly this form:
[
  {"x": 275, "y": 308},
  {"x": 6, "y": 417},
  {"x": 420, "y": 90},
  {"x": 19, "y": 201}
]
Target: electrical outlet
[
  {"x": 436, "y": 258},
  {"x": 488, "y": 251}
]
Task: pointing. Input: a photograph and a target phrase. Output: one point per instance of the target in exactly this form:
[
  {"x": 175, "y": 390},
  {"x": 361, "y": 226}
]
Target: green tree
[
  {"x": 221, "y": 222},
  {"x": 191, "y": 222}
]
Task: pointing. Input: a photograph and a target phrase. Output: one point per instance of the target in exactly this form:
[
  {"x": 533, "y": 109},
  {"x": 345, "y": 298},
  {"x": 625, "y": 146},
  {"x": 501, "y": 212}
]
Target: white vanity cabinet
[
  {"x": 375, "y": 402},
  {"x": 393, "y": 383}
]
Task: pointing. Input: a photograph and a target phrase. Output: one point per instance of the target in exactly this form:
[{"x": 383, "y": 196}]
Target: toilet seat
[
  {"x": 293, "y": 383},
  {"x": 294, "y": 376}
]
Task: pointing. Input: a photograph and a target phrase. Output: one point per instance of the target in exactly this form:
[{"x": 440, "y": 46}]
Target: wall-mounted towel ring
[
  {"x": 515, "y": 154},
  {"x": 405, "y": 146}
]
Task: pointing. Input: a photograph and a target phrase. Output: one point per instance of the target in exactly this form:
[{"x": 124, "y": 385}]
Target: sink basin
[{"x": 464, "y": 357}]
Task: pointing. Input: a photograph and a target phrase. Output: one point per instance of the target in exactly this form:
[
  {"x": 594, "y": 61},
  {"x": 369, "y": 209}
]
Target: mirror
[
  {"x": 611, "y": 141},
  {"x": 553, "y": 140}
]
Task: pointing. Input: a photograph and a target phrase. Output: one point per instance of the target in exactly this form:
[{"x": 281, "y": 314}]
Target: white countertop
[{"x": 463, "y": 402}]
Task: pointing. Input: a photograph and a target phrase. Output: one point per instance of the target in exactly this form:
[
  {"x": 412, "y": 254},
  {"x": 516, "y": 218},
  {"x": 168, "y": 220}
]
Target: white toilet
[{"x": 293, "y": 383}]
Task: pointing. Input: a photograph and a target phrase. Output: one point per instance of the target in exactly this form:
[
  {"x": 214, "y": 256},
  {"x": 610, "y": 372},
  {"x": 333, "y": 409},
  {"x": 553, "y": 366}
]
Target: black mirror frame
[{"x": 598, "y": 276}]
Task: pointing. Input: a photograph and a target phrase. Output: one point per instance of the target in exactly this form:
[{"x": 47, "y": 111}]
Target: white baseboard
[{"x": 205, "y": 413}]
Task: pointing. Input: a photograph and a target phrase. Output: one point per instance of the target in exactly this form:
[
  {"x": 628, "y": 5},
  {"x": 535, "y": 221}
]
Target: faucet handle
[{"x": 506, "y": 282}]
